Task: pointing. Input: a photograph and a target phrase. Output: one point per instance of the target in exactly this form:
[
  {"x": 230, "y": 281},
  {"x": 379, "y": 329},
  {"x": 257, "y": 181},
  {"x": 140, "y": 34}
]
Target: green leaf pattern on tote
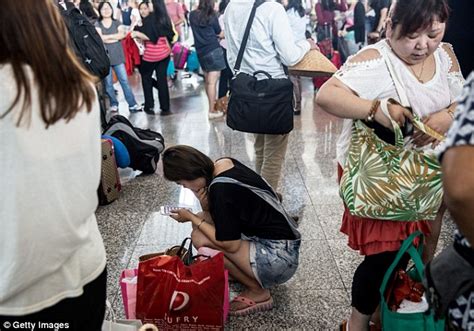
[{"x": 389, "y": 182}]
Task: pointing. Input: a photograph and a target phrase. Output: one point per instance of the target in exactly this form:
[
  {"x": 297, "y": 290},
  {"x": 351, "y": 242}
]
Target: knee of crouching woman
[{"x": 198, "y": 238}]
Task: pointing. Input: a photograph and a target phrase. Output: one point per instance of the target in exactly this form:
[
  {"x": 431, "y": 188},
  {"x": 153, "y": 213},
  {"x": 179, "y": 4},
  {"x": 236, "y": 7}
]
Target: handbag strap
[
  {"x": 187, "y": 258},
  {"x": 395, "y": 125},
  {"x": 240, "y": 56},
  {"x": 404, "y": 102},
  {"x": 399, "y": 87},
  {"x": 270, "y": 198},
  {"x": 415, "y": 254}
]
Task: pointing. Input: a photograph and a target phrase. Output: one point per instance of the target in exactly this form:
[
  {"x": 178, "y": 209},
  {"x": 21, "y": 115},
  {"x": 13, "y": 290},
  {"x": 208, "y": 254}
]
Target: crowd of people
[{"x": 52, "y": 255}]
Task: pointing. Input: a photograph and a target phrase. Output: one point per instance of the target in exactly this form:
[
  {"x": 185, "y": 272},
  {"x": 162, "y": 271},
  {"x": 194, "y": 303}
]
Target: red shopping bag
[
  {"x": 206, "y": 251},
  {"x": 174, "y": 296}
]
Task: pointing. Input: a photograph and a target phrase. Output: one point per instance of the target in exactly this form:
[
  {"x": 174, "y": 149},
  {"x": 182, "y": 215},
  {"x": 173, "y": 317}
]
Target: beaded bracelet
[{"x": 373, "y": 110}]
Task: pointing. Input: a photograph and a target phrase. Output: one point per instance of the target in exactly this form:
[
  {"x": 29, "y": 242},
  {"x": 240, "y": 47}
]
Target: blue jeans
[{"x": 121, "y": 73}]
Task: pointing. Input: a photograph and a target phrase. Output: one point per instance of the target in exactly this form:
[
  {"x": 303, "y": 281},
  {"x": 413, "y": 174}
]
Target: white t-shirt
[
  {"x": 297, "y": 24},
  {"x": 223, "y": 41},
  {"x": 50, "y": 245},
  {"x": 135, "y": 15},
  {"x": 371, "y": 80},
  {"x": 271, "y": 41}
]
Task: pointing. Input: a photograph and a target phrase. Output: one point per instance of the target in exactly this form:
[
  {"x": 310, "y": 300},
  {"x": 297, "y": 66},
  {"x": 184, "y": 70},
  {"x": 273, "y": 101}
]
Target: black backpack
[
  {"x": 143, "y": 145},
  {"x": 86, "y": 42}
]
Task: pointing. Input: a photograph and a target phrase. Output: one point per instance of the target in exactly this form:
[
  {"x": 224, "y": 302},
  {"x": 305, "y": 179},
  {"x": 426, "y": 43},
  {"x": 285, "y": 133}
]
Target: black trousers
[
  {"x": 224, "y": 80},
  {"x": 160, "y": 68},
  {"x": 85, "y": 312},
  {"x": 367, "y": 280}
]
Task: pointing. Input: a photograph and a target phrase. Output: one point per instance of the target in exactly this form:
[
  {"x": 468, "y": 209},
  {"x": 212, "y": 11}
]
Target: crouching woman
[{"x": 243, "y": 218}]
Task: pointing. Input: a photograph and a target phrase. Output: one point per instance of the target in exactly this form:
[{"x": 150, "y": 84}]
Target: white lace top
[{"x": 371, "y": 80}]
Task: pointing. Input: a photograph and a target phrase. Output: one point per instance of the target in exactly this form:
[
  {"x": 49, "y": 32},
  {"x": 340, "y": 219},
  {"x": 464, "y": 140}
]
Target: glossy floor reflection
[{"x": 318, "y": 296}]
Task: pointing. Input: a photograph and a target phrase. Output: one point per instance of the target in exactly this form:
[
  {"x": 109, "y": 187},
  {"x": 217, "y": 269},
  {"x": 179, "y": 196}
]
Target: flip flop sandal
[{"x": 252, "y": 306}]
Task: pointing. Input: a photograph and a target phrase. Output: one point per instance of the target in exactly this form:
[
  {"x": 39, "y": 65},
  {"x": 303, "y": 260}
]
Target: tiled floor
[{"x": 318, "y": 296}]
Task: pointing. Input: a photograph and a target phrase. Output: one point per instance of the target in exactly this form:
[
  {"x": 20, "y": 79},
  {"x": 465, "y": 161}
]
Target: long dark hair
[
  {"x": 88, "y": 10},
  {"x": 63, "y": 85},
  {"x": 297, "y": 6},
  {"x": 183, "y": 162},
  {"x": 140, "y": 6},
  {"x": 163, "y": 21},
  {"x": 101, "y": 5},
  {"x": 205, "y": 11},
  {"x": 413, "y": 15}
]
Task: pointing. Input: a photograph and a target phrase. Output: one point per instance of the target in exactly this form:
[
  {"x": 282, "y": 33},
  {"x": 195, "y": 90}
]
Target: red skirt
[{"x": 371, "y": 236}]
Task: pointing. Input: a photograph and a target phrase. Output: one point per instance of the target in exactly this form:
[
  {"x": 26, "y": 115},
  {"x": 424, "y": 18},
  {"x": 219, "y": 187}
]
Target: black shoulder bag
[{"x": 259, "y": 106}]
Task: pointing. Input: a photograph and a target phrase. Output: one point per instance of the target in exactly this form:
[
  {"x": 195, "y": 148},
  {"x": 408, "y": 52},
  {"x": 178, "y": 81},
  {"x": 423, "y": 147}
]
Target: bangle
[
  {"x": 451, "y": 113},
  {"x": 202, "y": 221},
  {"x": 373, "y": 110}
]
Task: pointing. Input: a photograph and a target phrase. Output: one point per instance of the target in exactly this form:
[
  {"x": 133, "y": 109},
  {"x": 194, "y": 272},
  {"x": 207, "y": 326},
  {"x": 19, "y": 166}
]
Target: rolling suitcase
[
  {"x": 180, "y": 55},
  {"x": 109, "y": 186}
]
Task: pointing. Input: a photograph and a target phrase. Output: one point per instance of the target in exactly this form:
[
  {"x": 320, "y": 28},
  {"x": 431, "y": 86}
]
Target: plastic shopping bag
[
  {"x": 128, "y": 287},
  {"x": 170, "y": 71},
  {"x": 206, "y": 251},
  {"x": 119, "y": 325},
  {"x": 175, "y": 296}
]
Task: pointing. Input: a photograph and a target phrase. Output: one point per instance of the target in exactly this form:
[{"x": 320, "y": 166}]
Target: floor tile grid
[{"x": 343, "y": 271}]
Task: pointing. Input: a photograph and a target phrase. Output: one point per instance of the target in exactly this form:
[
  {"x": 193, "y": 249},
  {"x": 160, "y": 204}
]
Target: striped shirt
[{"x": 155, "y": 52}]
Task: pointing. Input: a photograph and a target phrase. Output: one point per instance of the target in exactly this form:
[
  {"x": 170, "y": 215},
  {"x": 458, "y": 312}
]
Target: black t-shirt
[
  {"x": 205, "y": 35},
  {"x": 359, "y": 23},
  {"x": 377, "y": 6},
  {"x": 236, "y": 209},
  {"x": 151, "y": 29}
]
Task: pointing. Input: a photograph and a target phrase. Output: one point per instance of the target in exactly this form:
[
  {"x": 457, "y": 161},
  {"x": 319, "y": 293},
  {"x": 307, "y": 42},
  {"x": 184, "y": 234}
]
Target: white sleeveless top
[{"x": 371, "y": 80}]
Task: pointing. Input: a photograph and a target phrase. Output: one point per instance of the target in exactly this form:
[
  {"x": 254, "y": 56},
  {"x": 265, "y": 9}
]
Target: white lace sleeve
[
  {"x": 455, "y": 78},
  {"x": 366, "y": 78}
]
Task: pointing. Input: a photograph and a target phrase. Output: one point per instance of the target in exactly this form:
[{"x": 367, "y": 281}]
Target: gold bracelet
[
  {"x": 373, "y": 110},
  {"x": 202, "y": 221}
]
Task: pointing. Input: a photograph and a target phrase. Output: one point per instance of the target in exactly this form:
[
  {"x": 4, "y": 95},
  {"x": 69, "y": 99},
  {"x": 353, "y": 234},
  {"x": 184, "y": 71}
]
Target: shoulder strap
[
  {"x": 270, "y": 198},
  {"x": 399, "y": 87},
  {"x": 246, "y": 35}
]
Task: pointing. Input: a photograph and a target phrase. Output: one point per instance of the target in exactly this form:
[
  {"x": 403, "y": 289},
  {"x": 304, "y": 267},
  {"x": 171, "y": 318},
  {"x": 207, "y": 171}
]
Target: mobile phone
[{"x": 168, "y": 210}]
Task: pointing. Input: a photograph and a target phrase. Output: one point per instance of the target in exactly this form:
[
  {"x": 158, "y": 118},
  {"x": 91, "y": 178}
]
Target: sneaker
[
  {"x": 215, "y": 114},
  {"x": 150, "y": 111},
  {"x": 135, "y": 109},
  {"x": 114, "y": 109}
]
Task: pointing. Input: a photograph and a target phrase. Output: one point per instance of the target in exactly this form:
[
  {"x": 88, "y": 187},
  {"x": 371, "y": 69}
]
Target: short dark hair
[
  {"x": 183, "y": 162},
  {"x": 413, "y": 15},
  {"x": 102, "y": 4}
]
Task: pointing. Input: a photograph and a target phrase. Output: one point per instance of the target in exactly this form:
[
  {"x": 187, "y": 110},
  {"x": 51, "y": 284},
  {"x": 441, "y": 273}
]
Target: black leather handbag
[{"x": 262, "y": 106}]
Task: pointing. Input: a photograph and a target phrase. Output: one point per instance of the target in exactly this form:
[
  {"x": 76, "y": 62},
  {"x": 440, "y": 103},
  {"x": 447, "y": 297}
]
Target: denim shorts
[
  {"x": 213, "y": 61},
  {"x": 273, "y": 262}
]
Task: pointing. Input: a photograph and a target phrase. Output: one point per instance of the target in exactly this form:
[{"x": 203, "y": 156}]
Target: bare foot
[{"x": 256, "y": 296}]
